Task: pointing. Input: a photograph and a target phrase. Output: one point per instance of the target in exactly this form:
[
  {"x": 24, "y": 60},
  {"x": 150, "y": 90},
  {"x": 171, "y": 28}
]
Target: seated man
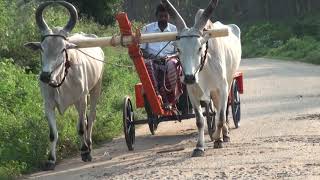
[{"x": 163, "y": 68}]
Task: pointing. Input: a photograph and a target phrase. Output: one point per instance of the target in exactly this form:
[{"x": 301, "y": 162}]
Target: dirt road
[{"x": 279, "y": 136}]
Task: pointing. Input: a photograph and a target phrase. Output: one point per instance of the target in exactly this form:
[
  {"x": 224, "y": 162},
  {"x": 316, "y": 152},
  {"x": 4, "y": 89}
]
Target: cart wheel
[
  {"x": 210, "y": 115},
  {"x": 235, "y": 104},
  {"x": 153, "y": 125},
  {"x": 128, "y": 123},
  {"x": 152, "y": 119}
]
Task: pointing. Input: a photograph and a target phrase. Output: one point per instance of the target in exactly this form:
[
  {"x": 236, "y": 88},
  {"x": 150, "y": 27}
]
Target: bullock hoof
[
  {"x": 86, "y": 157},
  {"x": 49, "y": 166},
  {"x": 226, "y": 138},
  {"x": 197, "y": 153},
  {"x": 217, "y": 144}
]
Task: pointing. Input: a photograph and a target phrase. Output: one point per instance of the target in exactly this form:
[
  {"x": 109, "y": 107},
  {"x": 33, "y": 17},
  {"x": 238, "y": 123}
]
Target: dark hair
[{"x": 160, "y": 8}]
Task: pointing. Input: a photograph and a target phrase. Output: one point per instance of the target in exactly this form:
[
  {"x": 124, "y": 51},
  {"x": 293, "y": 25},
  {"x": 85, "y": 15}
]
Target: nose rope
[{"x": 67, "y": 65}]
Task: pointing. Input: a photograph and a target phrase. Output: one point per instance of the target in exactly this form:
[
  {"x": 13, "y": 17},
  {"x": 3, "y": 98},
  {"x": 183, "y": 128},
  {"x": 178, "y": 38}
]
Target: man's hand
[{"x": 146, "y": 55}]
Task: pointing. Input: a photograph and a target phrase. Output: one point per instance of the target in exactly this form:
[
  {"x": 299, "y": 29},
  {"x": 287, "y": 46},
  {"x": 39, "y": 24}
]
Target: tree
[{"x": 102, "y": 11}]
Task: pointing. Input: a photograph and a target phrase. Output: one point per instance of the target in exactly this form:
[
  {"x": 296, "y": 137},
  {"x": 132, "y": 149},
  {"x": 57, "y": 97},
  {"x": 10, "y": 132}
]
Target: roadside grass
[{"x": 298, "y": 40}]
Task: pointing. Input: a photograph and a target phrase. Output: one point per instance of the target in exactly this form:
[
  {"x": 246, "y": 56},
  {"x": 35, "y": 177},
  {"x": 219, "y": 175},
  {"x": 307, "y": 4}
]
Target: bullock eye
[{"x": 200, "y": 49}]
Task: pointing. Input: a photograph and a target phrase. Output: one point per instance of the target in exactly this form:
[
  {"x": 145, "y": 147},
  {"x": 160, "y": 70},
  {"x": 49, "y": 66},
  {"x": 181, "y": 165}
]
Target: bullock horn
[
  {"x": 73, "y": 16},
  {"x": 43, "y": 26},
  {"x": 175, "y": 15},
  {"x": 202, "y": 21}
]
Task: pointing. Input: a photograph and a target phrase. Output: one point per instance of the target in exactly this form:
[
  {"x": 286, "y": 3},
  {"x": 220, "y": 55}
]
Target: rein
[{"x": 204, "y": 58}]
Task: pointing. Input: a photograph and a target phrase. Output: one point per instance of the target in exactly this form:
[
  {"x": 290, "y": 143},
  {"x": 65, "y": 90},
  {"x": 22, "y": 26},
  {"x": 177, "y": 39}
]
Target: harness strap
[{"x": 53, "y": 35}]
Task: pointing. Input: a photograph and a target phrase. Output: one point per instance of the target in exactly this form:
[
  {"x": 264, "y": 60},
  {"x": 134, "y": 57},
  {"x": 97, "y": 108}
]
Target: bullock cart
[{"x": 145, "y": 94}]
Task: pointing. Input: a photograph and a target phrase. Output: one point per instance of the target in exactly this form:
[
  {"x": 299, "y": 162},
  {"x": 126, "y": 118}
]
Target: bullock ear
[
  {"x": 33, "y": 45},
  {"x": 70, "y": 46}
]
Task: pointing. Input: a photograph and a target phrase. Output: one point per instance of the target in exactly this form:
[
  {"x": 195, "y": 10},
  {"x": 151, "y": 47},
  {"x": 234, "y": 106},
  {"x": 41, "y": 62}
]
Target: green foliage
[
  {"x": 102, "y": 11},
  {"x": 308, "y": 25},
  {"x": 22, "y": 20},
  {"x": 297, "y": 40},
  {"x": 257, "y": 39},
  {"x": 305, "y": 49},
  {"x": 22, "y": 126}
]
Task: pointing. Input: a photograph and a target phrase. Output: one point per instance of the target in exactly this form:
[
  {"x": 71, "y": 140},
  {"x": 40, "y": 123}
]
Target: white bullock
[
  {"x": 68, "y": 77},
  {"x": 209, "y": 65}
]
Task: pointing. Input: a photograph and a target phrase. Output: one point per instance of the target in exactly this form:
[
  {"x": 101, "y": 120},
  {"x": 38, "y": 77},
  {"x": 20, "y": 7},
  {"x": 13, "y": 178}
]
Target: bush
[
  {"x": 308, "y": 25},
  {"x": 23, "y": 129},
  {"x": 102, "y": 11},
  {"x": 258, "y": 39},
  {"x": 298, "y": 40},
  {"x": 295, "y": 48}
]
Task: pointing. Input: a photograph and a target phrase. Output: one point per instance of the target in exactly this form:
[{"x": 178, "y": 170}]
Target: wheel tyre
[
  {"x": 128, "y": 123},
  {"x": 210, "y": 115},
  {"x": 236, "y": 104},
  {"x": 152, "y": 125},
  {"x": 152, "y": 119}
]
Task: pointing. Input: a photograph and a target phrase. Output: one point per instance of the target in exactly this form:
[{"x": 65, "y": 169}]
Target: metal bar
[
  {"x": 136, "y": 56},
  {"x": 143, "y": 121}
]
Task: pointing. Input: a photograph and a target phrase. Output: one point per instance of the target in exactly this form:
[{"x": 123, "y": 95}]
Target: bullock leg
[
  {"x": 222, "y": 131},
  {"x": 81, "y": 106},
  {"x": 199, "y": 150},
  {"x": 94, "y": 96},
  {"x": 53, "y": 135}
]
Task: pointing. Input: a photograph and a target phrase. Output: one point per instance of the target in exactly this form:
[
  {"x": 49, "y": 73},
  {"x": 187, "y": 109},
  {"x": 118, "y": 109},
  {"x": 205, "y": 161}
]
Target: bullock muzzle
[
  {"x": 189, "y": 79},
  {"x": 45, "y": 77}
]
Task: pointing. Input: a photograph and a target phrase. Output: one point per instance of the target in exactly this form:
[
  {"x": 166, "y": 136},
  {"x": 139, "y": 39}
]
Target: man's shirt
[{"x": 154, "y": 48}]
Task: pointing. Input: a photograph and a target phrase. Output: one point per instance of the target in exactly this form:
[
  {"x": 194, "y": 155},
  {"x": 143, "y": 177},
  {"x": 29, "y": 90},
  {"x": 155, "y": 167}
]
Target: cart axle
[{"x": 172, "y": 118}]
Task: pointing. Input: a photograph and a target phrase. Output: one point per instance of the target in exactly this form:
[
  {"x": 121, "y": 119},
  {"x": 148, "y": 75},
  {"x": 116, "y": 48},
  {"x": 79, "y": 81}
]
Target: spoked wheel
[
  {"x": 152, "y": 119},
  {"x": 210, "y": 115},
  {"x": 153, "y": 124},
  {"x": 235, "y": 104},
  {"x": 128, "y": 123}
]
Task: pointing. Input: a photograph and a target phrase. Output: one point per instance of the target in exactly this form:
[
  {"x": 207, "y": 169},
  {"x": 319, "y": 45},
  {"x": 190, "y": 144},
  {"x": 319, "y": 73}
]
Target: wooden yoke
[{"x": 138, "y": 60}]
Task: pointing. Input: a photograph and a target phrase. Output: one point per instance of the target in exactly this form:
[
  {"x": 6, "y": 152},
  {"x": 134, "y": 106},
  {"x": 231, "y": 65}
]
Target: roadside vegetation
[{"x": 293, "y": 40}]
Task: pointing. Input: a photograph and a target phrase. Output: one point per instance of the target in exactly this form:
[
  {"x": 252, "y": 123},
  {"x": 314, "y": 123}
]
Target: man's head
[{"x": 162, "y": 16}]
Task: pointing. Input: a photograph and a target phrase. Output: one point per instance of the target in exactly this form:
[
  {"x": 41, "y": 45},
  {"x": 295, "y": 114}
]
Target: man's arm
[
  {"x": 144, "y": 46},
  {"x": 146, "y": 55}
]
